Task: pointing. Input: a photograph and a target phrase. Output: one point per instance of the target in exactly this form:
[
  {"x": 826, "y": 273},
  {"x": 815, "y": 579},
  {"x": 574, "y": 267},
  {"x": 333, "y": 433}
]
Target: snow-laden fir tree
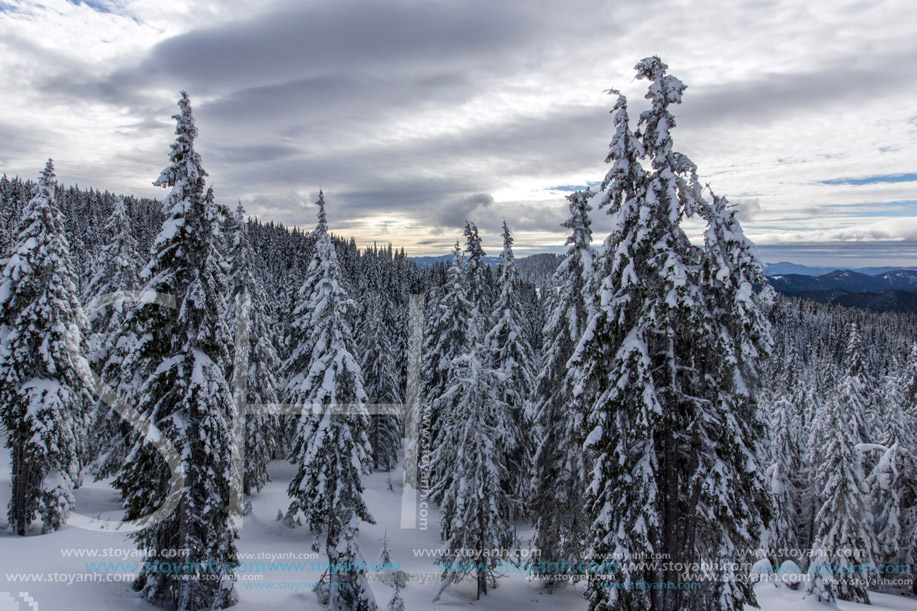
[
  {"x": 726, "y": 459},
  {"x": 475, "y": 508},
  {"x": 783, "y": 476},
  {"x": 621, "y": 497},
  {"x": 509, "y": 353},
  {"x": 380, "y": 369},
  {"x": 669, "y": 365},
  {"x": 892, "y": 477},
  {"x": 397, "y": 602},
  {"x": 118, "y": 271},
  {"x": 788, "y": 471},
  {"x": 908, "y": 487},
  {"x": 109, "y": 302},
  {"x": 390, "y": 575},
  {"x": 9, "y": 216},
  {"x": 248, "y": 316},
  {"x": 844, "y": 549},
  {"x": 178, "y": 356},
  {"x": 331, "y": 449},
  {"x": 560, "y": 471},
  {"x": 42, "y": 366},
  {"x": 379, "y": 365},
  {"x": 809, "y": 498},
  {"x": 449, "y": 328},
  {"x": 479, "y": 279}
]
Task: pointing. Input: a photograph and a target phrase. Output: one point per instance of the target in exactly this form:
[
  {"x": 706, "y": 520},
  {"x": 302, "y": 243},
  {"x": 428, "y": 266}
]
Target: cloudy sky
[{"x": 413, "y": 116}]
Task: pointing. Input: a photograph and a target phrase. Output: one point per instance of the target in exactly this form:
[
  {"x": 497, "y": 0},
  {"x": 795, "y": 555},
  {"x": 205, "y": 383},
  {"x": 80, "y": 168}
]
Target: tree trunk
[{"x": 21, "y": 479}]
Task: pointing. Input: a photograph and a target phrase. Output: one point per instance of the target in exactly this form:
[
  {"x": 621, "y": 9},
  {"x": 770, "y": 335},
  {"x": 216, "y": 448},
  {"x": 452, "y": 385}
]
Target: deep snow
[{"x": 263, "y": 534}]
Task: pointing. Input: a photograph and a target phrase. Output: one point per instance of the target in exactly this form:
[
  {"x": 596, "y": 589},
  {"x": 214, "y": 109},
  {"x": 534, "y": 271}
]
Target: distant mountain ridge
[
  {"x": 785, "y": 268},
  {"x": 886, "y": 301},
  {"x": 847, "y": 280}
]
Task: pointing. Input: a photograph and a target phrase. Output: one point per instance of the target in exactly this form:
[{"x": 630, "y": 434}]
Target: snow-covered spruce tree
[
  {"x": 788, "y": 470},
  {"x": 560, "y": 470},
  {"x": 380, "y": 374},
  {"x": 669, "y": 359},
  {"x": 727, "y": 426},
  {"x": 450, "y": 328},
  {"x": 9, "y": 216},
  {"x": 397, "y": 602},
  {"x": 908, "y": 488},
  {"x": 509, "y": 353},
  {"x": 814, "y": 433},
  {"x": 475, "y": 507},
  {"x": 621, "y": 498},
  {"x": 178, "y": 357},
  {"x": 248, "y": 307},
  {"x": 783, "y": 475},
  {"x": 331, "y": 449},
  {"x": 118, "y": 272},
  {"x": 844, "y": 545},
  {"x": 478, "y": 277},
  {"x": 892, "y": 479},
  {"x": 42, "y": 365}
]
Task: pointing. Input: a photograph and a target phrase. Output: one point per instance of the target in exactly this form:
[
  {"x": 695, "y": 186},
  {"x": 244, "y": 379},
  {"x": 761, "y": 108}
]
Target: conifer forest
[{"x": 206, "y": 409}]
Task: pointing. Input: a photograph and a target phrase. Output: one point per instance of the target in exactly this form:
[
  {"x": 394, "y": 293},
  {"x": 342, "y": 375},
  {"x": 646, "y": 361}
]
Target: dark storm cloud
[
  {"x": 307, "y": 40},
  {"x": 330, "y": 106},
  {"x": 302, "y": 95}
]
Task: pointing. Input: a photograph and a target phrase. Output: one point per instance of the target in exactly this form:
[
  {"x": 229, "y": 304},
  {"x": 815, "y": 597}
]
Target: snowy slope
[{"x": 262, "y": 534}]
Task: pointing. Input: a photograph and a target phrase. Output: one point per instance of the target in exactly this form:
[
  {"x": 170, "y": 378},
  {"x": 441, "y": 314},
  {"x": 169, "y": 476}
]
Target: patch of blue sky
[
  {"x": 100, "y": 6},
  {"x": 871, "y": 180},
  {"x": 572, "y": 188},
  {"x": 907, "y": 207},
  {"x": 757, "y": 227}
]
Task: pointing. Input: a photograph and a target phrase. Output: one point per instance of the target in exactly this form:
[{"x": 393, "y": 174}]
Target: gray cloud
[
  {"x": 328, "y": 37},
  {"x": 771, "y": 96},
  {"x": 747, "y": 209},
  {"x": 295, "y": 42},
  {"x": 256, "y": 153},
  {"x": 16, "y": 140},
  {"x": 431, "y": 111}
]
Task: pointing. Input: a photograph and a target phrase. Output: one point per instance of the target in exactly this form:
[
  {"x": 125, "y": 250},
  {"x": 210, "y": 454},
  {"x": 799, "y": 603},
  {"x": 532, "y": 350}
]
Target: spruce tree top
[
  {"x": 185, "y": 161},
  {"x": 579, "y": 223}
]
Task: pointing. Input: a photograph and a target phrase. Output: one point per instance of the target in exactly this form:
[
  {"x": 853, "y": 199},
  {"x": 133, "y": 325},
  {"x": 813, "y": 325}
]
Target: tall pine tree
[
  {"x": 560, "y": 470},
  {"x": 42, "y": 365},
  {"x": 509, "y": 353},
  {"x": 475, "y": 507},
  {"x": 248, "y": 314},
  {"x": 844, "y": 549},
  {"x": 331, "y": 448},
  {"x": 179, "y": 357},
  {"x": 118, "y": 273},
  {"x": 668, "y": 357}
]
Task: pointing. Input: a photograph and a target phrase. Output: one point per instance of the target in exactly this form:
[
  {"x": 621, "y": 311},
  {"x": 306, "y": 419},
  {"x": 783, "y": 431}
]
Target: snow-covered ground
[{"x": 45, "y": 555}]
